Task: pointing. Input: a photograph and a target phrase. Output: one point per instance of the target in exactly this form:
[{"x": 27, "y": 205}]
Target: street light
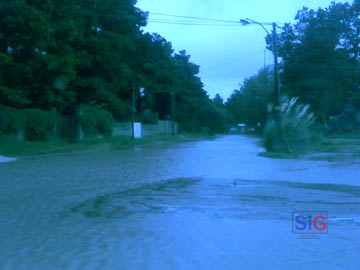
[{"x": 277, "y": 96}]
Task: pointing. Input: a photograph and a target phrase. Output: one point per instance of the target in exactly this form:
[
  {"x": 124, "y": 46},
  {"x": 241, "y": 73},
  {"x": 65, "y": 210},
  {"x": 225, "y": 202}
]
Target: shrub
[
  {"x": 37, "y": 125},
  {"x": 29, "y": 124},
  {"x": 147, "y": 117},
  {"x": 96, "y": 120},
  {"x": 11, "y": 121},
  {"x": 294, "y": 135}
]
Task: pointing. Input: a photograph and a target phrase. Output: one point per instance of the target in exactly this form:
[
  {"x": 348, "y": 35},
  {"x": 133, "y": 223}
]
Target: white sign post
[{"x": 137, "y": 130}]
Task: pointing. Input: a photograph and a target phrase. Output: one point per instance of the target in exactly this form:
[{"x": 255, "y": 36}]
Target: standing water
[{"x": 199, "y": 205}]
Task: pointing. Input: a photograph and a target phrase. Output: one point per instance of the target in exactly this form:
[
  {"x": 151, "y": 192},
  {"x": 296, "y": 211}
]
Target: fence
[{"x": 161, "y": 127}]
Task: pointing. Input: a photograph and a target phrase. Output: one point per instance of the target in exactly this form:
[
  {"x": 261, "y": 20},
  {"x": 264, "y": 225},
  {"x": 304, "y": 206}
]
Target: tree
[
  {"x": 22, "y": 45},
  {"x": 249, "y": 104},
  {"x": 318, "y": 59},
  {"x": 65, "y": 55}
]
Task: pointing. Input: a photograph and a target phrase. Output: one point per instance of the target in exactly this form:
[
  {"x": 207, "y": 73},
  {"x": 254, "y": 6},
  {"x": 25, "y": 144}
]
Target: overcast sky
[{"x": 226, "y": 54}]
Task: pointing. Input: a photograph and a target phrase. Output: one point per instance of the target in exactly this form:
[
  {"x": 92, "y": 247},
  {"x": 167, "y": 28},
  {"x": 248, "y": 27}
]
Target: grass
[
  {"x": 344, "y": 147},
  {"x": 12, "y": 148},
  {"x": 22, "y": 148},
  {"x": 278, "y": 155},
  {"x": 338, "y": 147},
  {"x": 345, "y": 136}
]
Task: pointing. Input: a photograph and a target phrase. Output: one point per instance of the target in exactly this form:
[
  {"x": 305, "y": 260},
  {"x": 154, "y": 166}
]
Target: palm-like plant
[{"x": 295, "y": 134}]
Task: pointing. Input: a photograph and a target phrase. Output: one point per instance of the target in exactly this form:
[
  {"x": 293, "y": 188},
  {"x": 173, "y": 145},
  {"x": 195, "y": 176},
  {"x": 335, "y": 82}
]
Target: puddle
[{"x": 221, "y": 198}]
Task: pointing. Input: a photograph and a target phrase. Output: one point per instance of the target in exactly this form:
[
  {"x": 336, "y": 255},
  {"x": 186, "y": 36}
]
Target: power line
[
  {"x": 207, "y": 19},
  {"x": 162, "y": 18},
  {"x": 190, "y": 23},
  {"x": 196, "y": 18},
  {"x": 207, "y": 69},
  {"x": 184, "y": 20}
]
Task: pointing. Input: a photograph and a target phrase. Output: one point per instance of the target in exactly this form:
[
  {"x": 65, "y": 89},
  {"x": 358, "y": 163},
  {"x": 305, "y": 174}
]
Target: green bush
[
  {"x": 295, "y": 134},
  {"x": 96, "y": 120},
  {"x": 29, "y": 124},
  {"x": 147, "y": 118},
  {"x": 37, "y": 125},
  {"x": 11, "y": 121}
]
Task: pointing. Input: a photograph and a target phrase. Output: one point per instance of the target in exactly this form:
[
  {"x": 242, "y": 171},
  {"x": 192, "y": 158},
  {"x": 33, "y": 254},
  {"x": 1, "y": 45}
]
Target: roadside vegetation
[
  {"x": 13, "y": 148},
  {"x": 319, "y": 69},
  {"x": 292, "y": 133},
  {"x": 90, "y": 63}
]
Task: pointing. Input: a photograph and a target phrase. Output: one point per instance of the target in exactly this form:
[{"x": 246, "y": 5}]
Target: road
[{"x": 211, "y": 204}]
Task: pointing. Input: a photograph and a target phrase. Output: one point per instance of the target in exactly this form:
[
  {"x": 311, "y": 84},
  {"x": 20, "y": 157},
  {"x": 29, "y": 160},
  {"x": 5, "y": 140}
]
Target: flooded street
[{"x": 211, "y": 204}]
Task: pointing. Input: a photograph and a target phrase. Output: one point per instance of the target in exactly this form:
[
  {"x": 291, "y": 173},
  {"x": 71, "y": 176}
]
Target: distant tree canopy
[
  {"x": 63, "y": 54},
  {"x": 320, "y": 57},
  {"x": 249, "y": 104}
]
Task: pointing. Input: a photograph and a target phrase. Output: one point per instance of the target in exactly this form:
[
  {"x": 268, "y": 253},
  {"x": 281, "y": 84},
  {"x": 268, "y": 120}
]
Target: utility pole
[
  {"x": 173, "y": 113},
  {"x": 356, "y": 80},
  {"x": 277, "y": 96},
  {"x": 133, "y": 108},
  {"x": 264, "y": 58}
]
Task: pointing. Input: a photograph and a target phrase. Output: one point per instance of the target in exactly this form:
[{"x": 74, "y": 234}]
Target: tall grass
[{"x": 294, "y": 134}]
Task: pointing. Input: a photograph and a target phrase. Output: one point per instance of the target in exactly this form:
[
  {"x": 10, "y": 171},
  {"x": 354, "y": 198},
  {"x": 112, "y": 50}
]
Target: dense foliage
[
  {"x": 61, "y": 55},
  {"x": 321, "y": 58},
  {"x": 249, "y": 104},
  {"x": 319, "y": 63},
  {"x": 30, "y": 124}
]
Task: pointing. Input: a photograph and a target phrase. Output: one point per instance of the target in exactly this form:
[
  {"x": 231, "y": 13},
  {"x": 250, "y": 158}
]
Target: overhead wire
[
  {"x": 171, "y": 19},
  {"x": 192, "y": 17},
  {"x": 188, "y": 23},
  {"x": 238, "y": 59},
  {"x": 162, "y": 18}
]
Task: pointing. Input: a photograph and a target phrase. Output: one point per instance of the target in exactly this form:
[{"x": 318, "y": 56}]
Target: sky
[{"x": 226, "y": 54}]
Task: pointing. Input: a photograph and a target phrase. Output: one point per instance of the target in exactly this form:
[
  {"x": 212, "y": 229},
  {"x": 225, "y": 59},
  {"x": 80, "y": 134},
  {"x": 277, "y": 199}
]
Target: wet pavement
[{"x": 199, "y": 205}]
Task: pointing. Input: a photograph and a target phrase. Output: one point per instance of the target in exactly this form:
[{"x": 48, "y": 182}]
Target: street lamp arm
[{"x": 248, "y": 21}]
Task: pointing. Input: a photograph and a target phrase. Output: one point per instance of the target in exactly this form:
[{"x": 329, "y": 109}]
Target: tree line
[
  {"x": 320, "y": 56},
  {"x": 62, "y": 55}
]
